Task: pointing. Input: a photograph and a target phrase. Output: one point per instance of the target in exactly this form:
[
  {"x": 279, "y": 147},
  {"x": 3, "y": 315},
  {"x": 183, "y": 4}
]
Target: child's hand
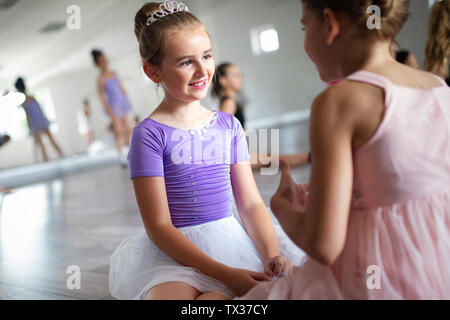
[
  {"x": 278, "y": 265},
  {"x": 289, "y": 193},
  {"x": 241, "y": 280}
]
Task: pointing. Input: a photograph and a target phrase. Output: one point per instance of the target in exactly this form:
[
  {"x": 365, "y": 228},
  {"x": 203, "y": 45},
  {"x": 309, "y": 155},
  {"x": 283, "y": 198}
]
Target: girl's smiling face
[{"x": 188, "y": 65}]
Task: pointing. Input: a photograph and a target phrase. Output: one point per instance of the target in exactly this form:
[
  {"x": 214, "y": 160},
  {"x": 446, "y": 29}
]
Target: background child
[
  {"x": 192, "y": 247},
  {"x": 115, "y": 102},
  {"x": 227, "y": 83},
  {"x": 89, "y": 127},
  {"x": 376, "y": 223},
  {"x": 37, "y": 121},
  {"x": 403, "y": 55}
]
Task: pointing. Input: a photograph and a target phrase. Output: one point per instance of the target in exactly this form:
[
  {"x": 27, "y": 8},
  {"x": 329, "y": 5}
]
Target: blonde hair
[
  {"x": 394, "y": 13},
  {"x": 437, "y": 52},
  {"x": 152, "y": 39}
]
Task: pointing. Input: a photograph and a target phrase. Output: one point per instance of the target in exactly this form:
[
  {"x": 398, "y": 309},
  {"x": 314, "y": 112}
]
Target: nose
[{"x": 201, "y": 71}]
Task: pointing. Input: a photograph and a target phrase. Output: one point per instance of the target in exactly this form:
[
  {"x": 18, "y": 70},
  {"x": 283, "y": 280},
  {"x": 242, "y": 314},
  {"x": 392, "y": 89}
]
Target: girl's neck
[
  {"x": 104, "y": 71},
  {"x": 230, "y": 93},
  {"x": 180, "y": 109},
  {"x": 369, "y": 56}
]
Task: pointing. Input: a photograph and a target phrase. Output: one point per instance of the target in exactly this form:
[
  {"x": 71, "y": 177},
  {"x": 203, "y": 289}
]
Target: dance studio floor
[{"x": 74, "y": 220}]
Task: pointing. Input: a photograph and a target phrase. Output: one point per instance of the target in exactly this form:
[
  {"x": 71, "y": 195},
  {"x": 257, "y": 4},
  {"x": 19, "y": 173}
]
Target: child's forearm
[
  {"x": 293, "y": 223},
  {"x": 178, "y": 247},
  {"x": 259, "y": 227}
]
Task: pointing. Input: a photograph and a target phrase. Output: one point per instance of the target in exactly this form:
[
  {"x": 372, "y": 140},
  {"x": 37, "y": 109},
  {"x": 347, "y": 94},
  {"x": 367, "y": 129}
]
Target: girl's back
[
  {"x": 407, "y": 156},
  {"x": 378, "y": 207},
  {"x": 397, "y": 242},
  {"x": 399, "y": 218}
]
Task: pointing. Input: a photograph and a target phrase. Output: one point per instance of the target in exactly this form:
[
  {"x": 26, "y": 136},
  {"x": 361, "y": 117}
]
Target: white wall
[
  {"x": 414, "y": 34},
  {"x": 275, "y": 83}
]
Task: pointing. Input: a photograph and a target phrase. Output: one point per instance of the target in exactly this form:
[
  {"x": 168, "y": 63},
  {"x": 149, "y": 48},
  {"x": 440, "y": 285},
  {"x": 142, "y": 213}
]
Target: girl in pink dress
[{"x": 375, "y": 218}]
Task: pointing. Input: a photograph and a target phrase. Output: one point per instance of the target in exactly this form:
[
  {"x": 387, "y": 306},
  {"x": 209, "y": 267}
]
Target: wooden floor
[{"x": 75, "y": 220}]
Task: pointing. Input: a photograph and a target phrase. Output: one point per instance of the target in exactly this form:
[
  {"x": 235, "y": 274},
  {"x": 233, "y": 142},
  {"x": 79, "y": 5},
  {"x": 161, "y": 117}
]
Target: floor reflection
[
  {"x": 24, "y": 219},
  {"x": 74, "y": 220}
]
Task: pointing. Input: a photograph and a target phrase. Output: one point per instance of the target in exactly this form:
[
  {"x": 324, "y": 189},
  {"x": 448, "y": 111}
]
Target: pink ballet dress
[{"x": 398, "y": 239}]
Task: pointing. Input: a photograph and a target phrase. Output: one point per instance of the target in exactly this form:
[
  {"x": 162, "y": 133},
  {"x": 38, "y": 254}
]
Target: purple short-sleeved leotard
[{"x": 195, "y": 165}]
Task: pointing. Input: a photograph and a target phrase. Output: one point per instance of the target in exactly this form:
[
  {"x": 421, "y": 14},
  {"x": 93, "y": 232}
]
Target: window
[{"x": 264, "y": 39}]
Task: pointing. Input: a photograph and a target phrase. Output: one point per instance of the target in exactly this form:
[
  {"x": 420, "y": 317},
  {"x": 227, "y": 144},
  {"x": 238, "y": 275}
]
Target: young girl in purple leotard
[
  {"x": 115, "y": 102},
  {"x": 186, "y": 164}
]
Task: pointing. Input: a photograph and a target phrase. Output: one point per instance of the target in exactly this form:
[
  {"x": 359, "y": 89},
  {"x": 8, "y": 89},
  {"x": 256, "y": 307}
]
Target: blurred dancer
[
  {"x": 115, "y": 101},
  {"x": 37, "y": 121}
]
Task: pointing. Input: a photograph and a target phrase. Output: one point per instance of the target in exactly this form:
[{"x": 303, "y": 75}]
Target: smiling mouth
[{"x": 198, "y": 84}]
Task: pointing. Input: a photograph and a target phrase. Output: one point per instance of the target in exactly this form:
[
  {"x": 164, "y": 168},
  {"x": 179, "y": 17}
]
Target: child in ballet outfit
[
  {"x": 38, "y": 123},
  {"x": 187, "y": 163},
  {"x": 115, "y": 103},
  {"x": 374, "y": 219}
]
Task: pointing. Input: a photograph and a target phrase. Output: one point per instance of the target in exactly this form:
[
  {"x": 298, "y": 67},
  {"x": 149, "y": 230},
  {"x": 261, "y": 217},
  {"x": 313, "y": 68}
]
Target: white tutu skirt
[{"x": 138, "y": 265}]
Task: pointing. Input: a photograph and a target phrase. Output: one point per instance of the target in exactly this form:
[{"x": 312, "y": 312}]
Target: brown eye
[{"x": 185, "y": 63}]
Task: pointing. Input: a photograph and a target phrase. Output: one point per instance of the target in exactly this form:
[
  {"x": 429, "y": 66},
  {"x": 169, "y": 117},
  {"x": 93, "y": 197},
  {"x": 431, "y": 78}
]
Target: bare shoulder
[
  {"x": 100, "y": 79},
  {"x": 352, "y": 108},
  {"x": 407, "y": 76},
  {"x": 228, "y": 106},
  {"x": 425, "y": 79},
  {"x": 347, "y": 100}
]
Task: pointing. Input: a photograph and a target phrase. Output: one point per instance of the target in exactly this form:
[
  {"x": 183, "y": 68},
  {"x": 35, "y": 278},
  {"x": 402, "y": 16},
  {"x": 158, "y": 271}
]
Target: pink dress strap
[
  {"x": 388, "y": 87},
  {"x": 376, "y": 80}
]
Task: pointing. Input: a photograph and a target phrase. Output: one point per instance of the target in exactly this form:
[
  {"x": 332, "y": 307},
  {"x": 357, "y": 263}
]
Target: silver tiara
[{"x": 165, "y": 9}]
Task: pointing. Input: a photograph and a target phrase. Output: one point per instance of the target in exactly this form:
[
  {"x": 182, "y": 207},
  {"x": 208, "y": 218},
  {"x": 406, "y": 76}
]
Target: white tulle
[{"x": 137, "y": 264}]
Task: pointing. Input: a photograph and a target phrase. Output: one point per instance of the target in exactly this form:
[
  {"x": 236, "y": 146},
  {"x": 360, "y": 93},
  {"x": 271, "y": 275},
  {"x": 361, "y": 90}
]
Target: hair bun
[
  {"x": 20, "y": 84},
  {"x": 96, "y": 52},
  {"x": 387, "y": 7},
  {"x": 393, "y": 13},
  {"x": 152, "y": 38}
]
